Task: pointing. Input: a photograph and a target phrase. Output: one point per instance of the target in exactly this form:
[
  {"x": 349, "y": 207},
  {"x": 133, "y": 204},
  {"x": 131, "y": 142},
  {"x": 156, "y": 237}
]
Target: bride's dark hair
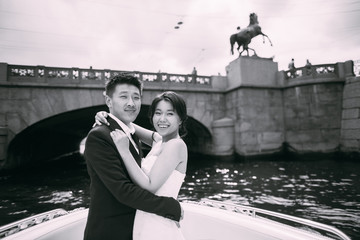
[{"x": 178, "y": 104}]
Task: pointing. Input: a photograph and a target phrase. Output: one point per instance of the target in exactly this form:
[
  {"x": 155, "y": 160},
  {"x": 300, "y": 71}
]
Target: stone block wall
[
  {"x": 252, "y": 71},
  {"x": 350, "y": 125},
  {"x": 258, "y": 120},
  {"x": 223, "y": 137},
  {"x": 3, "y": 144},
  {"x": 312, "y": 116}
]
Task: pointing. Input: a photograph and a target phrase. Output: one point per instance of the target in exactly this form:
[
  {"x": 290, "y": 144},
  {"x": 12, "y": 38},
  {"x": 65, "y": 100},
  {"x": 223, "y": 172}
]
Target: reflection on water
[{"x": 325, "y": 191}]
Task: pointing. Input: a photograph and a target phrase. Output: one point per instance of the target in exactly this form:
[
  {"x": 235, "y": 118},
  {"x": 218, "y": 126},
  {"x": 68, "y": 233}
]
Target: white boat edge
[{"x": 210, "y": 220}]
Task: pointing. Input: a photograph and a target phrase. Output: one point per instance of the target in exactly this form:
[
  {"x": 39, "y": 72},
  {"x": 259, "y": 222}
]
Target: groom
[{"x": 114, "y": 198}]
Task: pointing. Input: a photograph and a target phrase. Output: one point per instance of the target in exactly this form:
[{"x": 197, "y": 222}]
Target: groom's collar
[
  {"x": 128, "y": 131},
  {"x": 126, "y": 128}
]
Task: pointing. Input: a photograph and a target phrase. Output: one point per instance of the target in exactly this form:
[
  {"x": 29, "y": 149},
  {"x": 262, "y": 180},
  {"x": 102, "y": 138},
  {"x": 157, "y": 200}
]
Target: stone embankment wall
[
  {"x": 258, "y": 117},
  {"x": 318, "y": 111},
  {"x": 350, "y": 126},
  {"x": 313, "y": 117}
]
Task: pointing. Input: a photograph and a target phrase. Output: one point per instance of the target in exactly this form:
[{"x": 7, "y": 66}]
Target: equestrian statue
[{"x": 244, "y": 36}]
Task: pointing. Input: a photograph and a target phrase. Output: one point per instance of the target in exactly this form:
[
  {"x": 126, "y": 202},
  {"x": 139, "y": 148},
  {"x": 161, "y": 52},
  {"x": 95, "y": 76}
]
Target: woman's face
[{"x": 166, "y": 121}]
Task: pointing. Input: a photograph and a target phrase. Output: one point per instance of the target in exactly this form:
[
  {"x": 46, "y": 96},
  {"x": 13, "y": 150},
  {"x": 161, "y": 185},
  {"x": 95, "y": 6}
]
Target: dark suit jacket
[{"x": 114, "y": 197}]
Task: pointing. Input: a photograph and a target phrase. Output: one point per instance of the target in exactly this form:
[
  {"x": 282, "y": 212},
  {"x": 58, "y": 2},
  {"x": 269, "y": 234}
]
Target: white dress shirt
[{"x": 127, "y": 129}]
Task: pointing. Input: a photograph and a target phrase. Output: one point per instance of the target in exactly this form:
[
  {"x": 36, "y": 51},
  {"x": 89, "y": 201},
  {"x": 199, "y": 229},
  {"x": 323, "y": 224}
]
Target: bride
[{"x": 163, "y": 169}]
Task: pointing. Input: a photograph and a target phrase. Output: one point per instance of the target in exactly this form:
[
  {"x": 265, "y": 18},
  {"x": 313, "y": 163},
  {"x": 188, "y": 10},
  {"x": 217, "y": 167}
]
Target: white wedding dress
[{"x": 148, "y": 226}]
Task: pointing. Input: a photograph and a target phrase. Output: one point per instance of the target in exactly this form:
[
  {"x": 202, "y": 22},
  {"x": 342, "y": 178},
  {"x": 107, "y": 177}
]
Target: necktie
[{"x": 137, "y": 142}]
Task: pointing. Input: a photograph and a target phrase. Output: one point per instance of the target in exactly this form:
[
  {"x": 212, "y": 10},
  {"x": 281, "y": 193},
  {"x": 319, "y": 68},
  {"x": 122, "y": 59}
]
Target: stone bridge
[{"x": 254, "y": 110}]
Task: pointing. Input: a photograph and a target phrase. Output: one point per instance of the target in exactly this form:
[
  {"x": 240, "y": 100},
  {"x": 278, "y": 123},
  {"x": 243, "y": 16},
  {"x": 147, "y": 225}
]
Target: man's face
[{"x": 125, "y": 102}]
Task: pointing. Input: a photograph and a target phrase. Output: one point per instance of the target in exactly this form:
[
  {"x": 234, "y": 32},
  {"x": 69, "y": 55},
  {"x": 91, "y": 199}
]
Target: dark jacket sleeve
[{"x": 101, "y": 153}]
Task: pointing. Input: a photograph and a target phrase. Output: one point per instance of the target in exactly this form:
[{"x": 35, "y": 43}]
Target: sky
[{"x": 140, "y": 35}]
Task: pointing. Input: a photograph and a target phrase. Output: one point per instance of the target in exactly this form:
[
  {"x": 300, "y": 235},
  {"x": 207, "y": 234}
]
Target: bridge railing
[
  {"x": 313, "y": 71},
  {"x": 36, "y": 74}
]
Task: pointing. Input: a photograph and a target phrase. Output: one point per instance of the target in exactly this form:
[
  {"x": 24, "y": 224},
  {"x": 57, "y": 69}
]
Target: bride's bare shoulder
[{"x": 177, "y": 143}]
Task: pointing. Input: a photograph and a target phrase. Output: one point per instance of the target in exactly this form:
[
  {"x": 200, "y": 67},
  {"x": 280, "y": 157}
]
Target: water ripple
[{"x": 327, "y": 192}]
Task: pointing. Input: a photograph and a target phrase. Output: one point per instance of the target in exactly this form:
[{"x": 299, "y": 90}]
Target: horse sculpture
[{"x": 243, "y": 38}]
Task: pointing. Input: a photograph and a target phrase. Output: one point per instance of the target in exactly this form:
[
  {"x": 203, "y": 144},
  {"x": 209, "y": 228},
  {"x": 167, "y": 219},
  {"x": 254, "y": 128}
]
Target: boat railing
[
  {"x": 23, "y": 224},
  {"x": 257, "y": 212}
]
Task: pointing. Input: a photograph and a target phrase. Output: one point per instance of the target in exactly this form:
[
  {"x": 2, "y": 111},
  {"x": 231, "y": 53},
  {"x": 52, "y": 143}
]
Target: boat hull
[{"x": 200, "y": 222}]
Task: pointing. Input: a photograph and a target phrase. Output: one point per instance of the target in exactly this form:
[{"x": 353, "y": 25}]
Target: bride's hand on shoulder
[
  {"x": 156, "y": 137},
  {"x": 100, "y": 118},
  {"x": 120, "y": 139}
]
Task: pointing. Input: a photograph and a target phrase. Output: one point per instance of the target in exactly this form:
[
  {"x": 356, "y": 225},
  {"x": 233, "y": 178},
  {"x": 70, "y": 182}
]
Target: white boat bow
[{"x": 204, "y": 220}]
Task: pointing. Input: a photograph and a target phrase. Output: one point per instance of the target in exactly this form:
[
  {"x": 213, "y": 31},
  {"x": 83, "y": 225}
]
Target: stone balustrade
[
  {"x": 337, "y": 70},
  {"x": 313, "y": 71},
  {"x": 44, "y": 74}
]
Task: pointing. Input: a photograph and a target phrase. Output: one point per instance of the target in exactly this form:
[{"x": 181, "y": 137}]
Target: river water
[{"x": 326, "y": 191}]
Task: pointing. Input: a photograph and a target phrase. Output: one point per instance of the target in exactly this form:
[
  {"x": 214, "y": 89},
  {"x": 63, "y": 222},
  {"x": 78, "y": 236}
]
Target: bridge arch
[{"x": 61, "y": 134}]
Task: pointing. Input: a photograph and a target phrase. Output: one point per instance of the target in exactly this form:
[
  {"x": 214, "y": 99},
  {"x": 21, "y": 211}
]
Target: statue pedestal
[{"x": 252, "y": 71}]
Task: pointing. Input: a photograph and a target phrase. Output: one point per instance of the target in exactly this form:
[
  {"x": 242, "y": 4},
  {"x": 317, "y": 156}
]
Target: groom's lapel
[
  {"x": 114, "y": 125},
  {"x": 138, "y": 144}
]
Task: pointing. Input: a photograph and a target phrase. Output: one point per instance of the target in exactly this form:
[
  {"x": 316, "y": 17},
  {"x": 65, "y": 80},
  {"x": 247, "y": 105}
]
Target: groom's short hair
[{"x": 122, "y": 78}]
